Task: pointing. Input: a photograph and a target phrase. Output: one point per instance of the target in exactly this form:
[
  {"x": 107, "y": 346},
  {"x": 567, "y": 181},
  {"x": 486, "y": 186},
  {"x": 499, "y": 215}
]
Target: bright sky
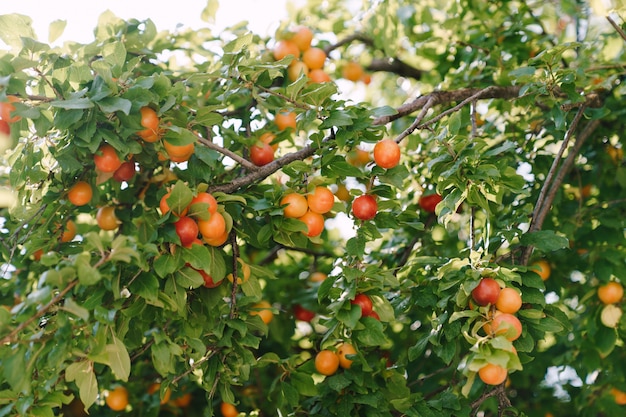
[{"x": 82, "y": 16}]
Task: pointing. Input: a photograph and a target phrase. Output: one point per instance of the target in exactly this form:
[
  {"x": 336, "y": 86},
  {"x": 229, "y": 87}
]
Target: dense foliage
[{"x": 175, "y": 242}]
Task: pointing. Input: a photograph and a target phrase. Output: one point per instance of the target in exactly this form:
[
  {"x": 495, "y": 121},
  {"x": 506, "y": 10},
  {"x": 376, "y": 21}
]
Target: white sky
[{"x": 82, "y": 15}]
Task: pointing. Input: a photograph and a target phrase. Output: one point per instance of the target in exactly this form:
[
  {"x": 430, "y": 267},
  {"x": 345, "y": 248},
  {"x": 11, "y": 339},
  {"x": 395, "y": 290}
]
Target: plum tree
[{"x": 470, "y": 129}]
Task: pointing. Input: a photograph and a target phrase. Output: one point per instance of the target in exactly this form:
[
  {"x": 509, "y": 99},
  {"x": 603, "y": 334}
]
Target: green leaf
[
  {"x": 13, "y": 27},
  {"x": 337, "y": 118},
  {"x": 147, "y": 286},
  {"x": 188, "y": 278},
  {"x": 14, "y": 369},
  {"x": 373, "y": 334},
  {"x": 544, "y": 240},
  {"x": 82, "y": 373},
  {"x": 76, "y": 103},
  {"x": 167, "y": 264},
  {"x": 113, "y": 104},
  {"x": 56, "y": 30},
  {"x": 119, "y": 359},
  {"x": 210, "y": 10},
  {"x": 180, "y": 197},
  {"x": 87, "y": 274},
  {"x": 304, "y": 383},
  {"x": 70, "y": 306},
  {"x": 208, "y": 117}
]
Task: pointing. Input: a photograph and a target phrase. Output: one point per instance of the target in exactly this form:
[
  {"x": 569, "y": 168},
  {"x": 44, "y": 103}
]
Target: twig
[
  {"x": 616, "y": 27},
  {"x": 233, "y": 292},
  {"x": 540, "y": 207},
  {"x": 441, "y": 97},
  {"x": 195, "y": 365},
  {"x": 227, "y": 152},
  {"x": 417, "y": 121},
  {"x": 543, "y": 205},
  {"x": 43, "y": 310}
]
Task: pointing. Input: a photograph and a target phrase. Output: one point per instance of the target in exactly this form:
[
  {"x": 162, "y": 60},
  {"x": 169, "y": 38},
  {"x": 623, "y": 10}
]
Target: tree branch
[
  {"x": 395, "y": 66},
  {"x": 43, "y": 310},
  {"x": 392, "y": 64},
  {"x": 441, "y": 97},
  {"x": 265, "y": 171},
  {"x": 545, "y": 203},
  {"x": 227, "y": 152}
]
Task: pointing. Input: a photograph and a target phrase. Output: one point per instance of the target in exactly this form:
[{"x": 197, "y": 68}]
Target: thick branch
[
  {"x": 393, "y": 64},
  {"x": 349, "y": 39},
  {"x": 396, "y": 66},
  {"x": 545, "y": 204},
  {"x": 441, "y": 97},
  {"x": 265, "y": 171}
]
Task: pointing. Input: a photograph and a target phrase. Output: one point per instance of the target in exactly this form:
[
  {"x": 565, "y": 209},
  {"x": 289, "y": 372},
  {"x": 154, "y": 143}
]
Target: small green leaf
[
  {"x": 56, "y": 30},
  {"x": 119, "y": 359}
]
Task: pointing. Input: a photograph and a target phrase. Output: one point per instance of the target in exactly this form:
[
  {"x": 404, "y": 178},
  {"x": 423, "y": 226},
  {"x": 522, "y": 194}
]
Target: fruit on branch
[
  {"x": 319, "y": 76},
  {"x": 214, "y": 227},
  {"x": 285, "y": 48},
  {"x": 509, "y": 301},
  {"x": 619, "y": 396},
  {"x": 492, "y": 374},
  {"x": 486, "y": 292},
  {"x": 615, "y": 153},
  {"x": 106, "y": 218},
  {"x": 117, "y": 399},
  {"x": 317, "y": 276},
  {"x": 228, "y": 410},
  {"x": 263, "y": 309},
  {"x": 106, "y": 159},
  {"x": 297, "y": 69},
  {"x": 243, "y": 272},
  {"x": 321, "y": 200},
  {"x": 295, "y": 205},
  {"x": 80, "y": 193},
  {"x": 365, "y": 302},
  {"x": 261, "y": 153},
  {"x": 7, "y": 108},
  {"x": 505, "y": 324},
  {"x": 326, "y": 362},
  {"x": 611, "y": 292},
  {"x": 302, "y": 37},
  {"x": 314, "y": 223},
  {"x": 365, "y": 207},
  {"x": 218, "y": 241},
  {"x": 125, "y": 172},
  {"x": 187, "y": 230},
  {"x": 285, "y": 119},
  {"x": 542, "y": 268},
  {"x": 429, "y": 202},
  {"x": 343, "y": 351},
  {"x": 155, "y": 388},
  {"x": 69, "y": 232},
  {"x": 5, "y": 129},
  {"x": 179, "y": 153},
  {"x": 352, "y": 71},
  {"x": 206, "y": 198},
  {"x": 303, "y": 314},
  {"x": 387, "y": 153},
  {"x": 150, "y": 121},
  {"x": 314, "y": 58}
]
